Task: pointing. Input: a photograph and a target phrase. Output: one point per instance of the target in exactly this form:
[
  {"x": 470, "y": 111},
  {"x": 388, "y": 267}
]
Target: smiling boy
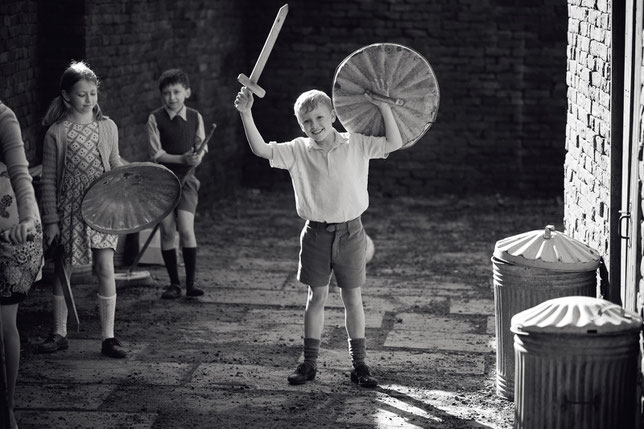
[
  {"x": 329, "y": 172},
  {"x": 174, "y": 132}
]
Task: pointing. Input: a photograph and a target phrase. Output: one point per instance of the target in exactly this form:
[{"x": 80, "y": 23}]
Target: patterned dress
[{"x": 83, "y": 165}]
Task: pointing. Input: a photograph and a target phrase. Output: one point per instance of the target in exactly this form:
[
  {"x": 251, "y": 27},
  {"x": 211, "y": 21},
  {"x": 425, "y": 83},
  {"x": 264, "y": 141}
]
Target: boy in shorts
[
  {"x": 175, "y": 131},
  {"x": 329, "y": 172}
]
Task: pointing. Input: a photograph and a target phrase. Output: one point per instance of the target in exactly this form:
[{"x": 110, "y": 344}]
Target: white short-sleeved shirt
[{"x": 329, "y": 187}]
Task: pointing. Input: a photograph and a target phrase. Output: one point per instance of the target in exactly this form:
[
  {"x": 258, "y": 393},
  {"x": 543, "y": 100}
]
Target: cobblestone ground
[{"x": 221, "y": 361}]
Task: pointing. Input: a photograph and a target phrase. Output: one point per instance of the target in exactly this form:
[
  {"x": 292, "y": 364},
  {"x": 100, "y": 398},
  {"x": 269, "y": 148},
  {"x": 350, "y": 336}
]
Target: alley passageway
[{"x": 221, "y": 361}]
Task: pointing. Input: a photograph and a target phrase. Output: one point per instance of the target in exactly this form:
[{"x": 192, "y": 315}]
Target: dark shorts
[
  {"x": 338, "y": 248},
  {"x": 189, "y": 195}
]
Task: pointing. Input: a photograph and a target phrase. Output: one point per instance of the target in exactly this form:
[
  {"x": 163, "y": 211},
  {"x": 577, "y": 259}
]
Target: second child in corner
[{"x": 175, "y": 132}]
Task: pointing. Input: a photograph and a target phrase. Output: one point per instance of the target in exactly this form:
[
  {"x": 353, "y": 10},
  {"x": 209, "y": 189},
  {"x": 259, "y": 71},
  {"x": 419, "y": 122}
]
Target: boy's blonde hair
[{"x": 309, "y": 100}]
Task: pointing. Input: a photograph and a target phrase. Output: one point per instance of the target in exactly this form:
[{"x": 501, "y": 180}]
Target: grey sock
[
  {"x": 358, "y": 351},
  {"x": 311, "y": 351}
]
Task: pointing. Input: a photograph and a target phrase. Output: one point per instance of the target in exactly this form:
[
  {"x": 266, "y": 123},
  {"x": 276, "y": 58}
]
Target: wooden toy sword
[{"x": 251, "y": 82}]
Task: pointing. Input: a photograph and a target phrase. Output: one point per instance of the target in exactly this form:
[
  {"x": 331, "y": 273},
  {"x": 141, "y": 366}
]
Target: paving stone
[
  {"x": 80, "y": 348},
  {"x": 104, "y": 371},
  {"x": 385, "y": 412},
  {"x": 268, "y": 264},
  {"x": 429, "y": 340},
  {"x": 82, "y": 419},
  {"x": 426, "y": 321},
  {"x": 472, "y": 306},
  {"x": 399, "y": 303},
  {"x": 407, "y": 361},
  {"x": 213, "y": 332},
  {"x": 59, "y": 396},
  {"x": 265, "y": 378},
  {"x": 332, "y": 317},
  {"x": 252, "y": 278}
]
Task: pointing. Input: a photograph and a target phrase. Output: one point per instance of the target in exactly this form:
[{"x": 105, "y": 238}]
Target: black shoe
[
  {"x": 53, "y": 343},
  {"x": 172, "y": 292},
  {"x": 303, "y": 373},
  {"x": 361, "y": 376},
  {"x": 112, "y": 347},
  {"x": 193, "y": 291}
]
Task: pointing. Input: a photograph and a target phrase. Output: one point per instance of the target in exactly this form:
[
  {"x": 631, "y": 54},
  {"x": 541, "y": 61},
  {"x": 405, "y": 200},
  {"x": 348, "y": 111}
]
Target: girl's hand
[
  {"x": 244, "y": 100},
  {"x": 50, "y": 233},
  {"x": 20, "y": 232}
]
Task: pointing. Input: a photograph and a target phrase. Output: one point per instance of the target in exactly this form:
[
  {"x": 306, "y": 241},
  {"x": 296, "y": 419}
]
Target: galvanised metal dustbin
[
  {"x": 577, "y": 365},
  {"x": 528, "y": 269}
]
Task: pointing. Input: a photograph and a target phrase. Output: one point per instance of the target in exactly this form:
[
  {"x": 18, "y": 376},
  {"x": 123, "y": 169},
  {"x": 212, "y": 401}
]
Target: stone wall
[
  {"x": 500, "y": 64},
  {"x": 587, "y": 186}
]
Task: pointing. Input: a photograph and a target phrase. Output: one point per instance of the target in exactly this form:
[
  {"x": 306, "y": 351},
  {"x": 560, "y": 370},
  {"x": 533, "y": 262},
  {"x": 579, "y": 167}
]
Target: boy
[
  {"x": 175, "y": 131},
  {"x": 329, "y": 174}
]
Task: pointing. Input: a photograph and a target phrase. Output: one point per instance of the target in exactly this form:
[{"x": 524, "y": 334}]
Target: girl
[
  {"x": 20, "y": 242},
  {"x": 80, "y": 145}
]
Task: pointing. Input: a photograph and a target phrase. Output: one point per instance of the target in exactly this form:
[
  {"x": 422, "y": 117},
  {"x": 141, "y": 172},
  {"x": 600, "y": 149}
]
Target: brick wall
[
  {"x": 19, "y": 68},
  {"x": 587, "y": 185},
  {"x": 500, "y": 64}
]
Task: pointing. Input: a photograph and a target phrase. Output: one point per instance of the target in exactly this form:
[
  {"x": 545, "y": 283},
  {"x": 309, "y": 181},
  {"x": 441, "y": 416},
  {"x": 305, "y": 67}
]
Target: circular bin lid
[
  {"x": 409, "y": 79},
  {"x": 130, "y": 198},
  {"x": 581, "y": 315},
  {"x": 547, "y": 249}
]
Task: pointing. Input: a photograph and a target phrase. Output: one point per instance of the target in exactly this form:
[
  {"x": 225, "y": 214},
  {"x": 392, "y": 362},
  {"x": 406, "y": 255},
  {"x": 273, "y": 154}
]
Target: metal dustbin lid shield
[
  {"x": 579, "y": 315},
  {"x": 547, "y": 249}
]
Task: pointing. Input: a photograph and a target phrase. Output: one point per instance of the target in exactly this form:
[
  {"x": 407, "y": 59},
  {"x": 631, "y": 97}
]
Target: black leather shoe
[
  {"x": 193, "y": 291},
  {"x": 112, "y": 347},
  {"x": 303, "y": 373},
  {"x": 172, "y": 292},
  {"x": 53, "y": 343},
  {"x": 362, "y": 377}
]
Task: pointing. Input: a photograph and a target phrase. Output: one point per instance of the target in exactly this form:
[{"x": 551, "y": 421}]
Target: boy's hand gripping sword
[{"x": 251, "y": 82}]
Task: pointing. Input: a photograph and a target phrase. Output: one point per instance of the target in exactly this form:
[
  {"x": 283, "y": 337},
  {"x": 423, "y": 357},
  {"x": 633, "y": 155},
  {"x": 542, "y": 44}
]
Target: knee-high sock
[
  {"x": 358, "y": 351},
  {"x": 190, "y": 261},
  {"x": 170, "y": 260},
  {"x": 60, "y": 315},
  {"x": 107, "y": 309},
  {"x": 311, "y": 350}
]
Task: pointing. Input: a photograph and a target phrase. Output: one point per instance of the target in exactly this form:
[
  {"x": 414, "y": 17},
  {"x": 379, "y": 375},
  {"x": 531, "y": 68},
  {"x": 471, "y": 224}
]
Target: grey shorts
[{"x": 338, "y": 248}]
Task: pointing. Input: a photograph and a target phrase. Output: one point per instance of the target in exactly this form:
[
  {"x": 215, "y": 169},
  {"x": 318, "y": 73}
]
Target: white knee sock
[
  {"x": 60, "y": 315},
  {"x": 107, "y": 308}
]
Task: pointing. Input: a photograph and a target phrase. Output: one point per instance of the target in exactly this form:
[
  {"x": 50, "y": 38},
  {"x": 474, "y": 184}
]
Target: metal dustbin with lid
[
  {"x": 577, "y": 365},
  {"x": 528, "y": 269}
]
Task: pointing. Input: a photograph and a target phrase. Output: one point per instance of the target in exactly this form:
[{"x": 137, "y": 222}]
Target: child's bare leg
[
  {"x": 104, "y": 269},
  {"x": 11, "y": 339},
  {"x": 353, "y": 312},
  {"x": 314, "y": 312},
  {"x": 313, "y": 325},
  {"x": 57, "y": 340},
  {"x": 186, "y": 227},
  {"x": 355, "y": 325}
]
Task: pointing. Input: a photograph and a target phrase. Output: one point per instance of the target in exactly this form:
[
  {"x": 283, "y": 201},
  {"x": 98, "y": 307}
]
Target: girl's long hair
[{"x": 58, "y": 108}]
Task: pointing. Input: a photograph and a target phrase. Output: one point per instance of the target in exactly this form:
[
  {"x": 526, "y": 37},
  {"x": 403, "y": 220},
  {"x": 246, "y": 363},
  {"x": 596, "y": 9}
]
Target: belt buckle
[{"x": 331, "y": 228}]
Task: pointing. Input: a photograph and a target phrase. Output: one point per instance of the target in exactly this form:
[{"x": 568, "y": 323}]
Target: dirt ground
[{"x": 235, "y": 362}]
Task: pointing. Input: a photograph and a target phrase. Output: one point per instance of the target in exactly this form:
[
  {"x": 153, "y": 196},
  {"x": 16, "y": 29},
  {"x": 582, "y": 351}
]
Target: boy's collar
[
  {"x": 181, "y": 113},
  {"x": 339, "y": 139}
]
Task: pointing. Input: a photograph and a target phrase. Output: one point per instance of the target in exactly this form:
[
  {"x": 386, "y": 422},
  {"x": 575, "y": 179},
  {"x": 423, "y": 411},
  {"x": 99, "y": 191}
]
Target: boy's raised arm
[
  {"x": 392, "y": 133},
  {"x": 244, "y": 103}
]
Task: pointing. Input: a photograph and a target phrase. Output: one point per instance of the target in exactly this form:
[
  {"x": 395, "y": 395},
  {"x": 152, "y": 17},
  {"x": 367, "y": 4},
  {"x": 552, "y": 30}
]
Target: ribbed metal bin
[
  {"x": 528, "y": 269},
  {"x": 577, "y": 361}
]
